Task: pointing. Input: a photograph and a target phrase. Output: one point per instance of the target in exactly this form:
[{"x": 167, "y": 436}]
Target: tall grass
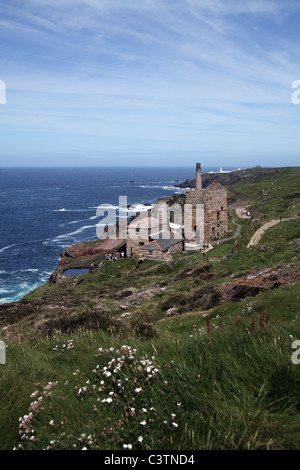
[{"x": 232, "y": 387}]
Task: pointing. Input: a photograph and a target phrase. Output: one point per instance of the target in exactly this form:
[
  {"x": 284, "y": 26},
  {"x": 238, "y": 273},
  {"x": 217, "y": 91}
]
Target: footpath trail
[
  {"x": 259, "y": 233},
  {"x": 237, "y": 232},
  {"x": 240, "y": 208},
  {"x": 240, "y": 204}
]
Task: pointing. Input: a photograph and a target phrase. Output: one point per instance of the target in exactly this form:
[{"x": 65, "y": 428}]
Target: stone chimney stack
[{"x": 198, "y": 184}]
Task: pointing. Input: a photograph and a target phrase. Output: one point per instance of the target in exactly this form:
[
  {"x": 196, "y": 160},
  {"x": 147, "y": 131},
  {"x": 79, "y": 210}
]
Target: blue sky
[{"x": 149, "y": 82}]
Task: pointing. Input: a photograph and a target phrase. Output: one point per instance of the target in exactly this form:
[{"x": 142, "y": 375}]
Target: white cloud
[{"x": 185, "y": 71}]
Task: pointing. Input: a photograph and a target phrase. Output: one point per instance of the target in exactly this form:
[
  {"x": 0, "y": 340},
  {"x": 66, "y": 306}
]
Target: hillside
[
  {"x": 203, "y": 342},
  {"x": 243, "y": 176}
]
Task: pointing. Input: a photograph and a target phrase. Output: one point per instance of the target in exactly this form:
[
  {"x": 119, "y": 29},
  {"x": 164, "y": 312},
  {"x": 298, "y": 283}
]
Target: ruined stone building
[
  {"x": 203, "y": 220},
  {"x": 212, "y": 221},
  {"x": 148, "y": 237}
]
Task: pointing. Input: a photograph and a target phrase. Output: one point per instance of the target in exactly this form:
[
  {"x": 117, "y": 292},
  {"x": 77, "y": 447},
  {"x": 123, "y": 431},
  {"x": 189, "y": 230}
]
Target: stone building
[
  {"x": 148, "y": 237},
  {"x": 205, "y": 220},
  {"x": 206, "y": 215},
  {"x": 160, "y": 248},
  {"x": 139, "y": 232}
]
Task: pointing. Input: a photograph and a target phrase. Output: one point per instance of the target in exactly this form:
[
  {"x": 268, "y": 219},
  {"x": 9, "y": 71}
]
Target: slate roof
[{"x": 161, "y": 244}]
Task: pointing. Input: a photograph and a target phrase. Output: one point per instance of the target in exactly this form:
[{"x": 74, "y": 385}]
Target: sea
[{"x": 45, "y": 210}]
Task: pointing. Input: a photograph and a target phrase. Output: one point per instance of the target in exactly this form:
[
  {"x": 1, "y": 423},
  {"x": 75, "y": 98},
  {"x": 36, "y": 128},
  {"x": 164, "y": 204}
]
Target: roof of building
[{"x": 163, "y": 243}]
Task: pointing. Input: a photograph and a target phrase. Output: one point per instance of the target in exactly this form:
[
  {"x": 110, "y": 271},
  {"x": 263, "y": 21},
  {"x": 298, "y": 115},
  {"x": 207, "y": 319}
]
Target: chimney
[{"x": 198, "y": 184}]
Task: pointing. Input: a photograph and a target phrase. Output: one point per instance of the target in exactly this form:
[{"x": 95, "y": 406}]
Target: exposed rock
[
  {"x": 57, "y": 277},
  {"x": 257, "y": 282},
  {"x": 271, "y": 276},
  {"x": 241, "y": 291},
  {"x": 197, "y": 272},
  {"x": 202, "y": 299},
  {"x": 205, "y": 299},
  {"x": 125, "y": 293}
]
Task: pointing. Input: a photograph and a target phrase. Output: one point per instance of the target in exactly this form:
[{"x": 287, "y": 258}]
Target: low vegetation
[{"x": 196, "y": 353}]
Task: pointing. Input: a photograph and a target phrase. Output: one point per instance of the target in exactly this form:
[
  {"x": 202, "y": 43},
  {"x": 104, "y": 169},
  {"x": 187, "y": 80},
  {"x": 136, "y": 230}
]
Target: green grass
[
  {"x": 232, "y": 386},
  {"x": 279, "y": 243},
  {"x": 273, "y": 198}
]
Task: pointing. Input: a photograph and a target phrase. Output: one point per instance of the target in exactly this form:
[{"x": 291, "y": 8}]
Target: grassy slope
[
  {"x": 223, "y": 381},
  {"x": 279, "y": 196}
]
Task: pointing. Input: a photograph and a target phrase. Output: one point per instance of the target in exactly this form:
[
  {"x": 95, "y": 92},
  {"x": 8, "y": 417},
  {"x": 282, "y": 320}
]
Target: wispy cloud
[{"x": 193, "y": 73}]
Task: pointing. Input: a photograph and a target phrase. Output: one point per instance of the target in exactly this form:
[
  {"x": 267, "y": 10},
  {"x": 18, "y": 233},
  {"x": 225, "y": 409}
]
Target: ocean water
[{"x": 45, "y": 210}]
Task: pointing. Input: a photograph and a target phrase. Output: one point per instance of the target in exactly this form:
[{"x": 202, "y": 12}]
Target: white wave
[
  {"x": 2, "y": 271},
  {"x": 5, "y": 291},
  {"x": 78, "y": 221},
  {"x": 72, "y": 210},
  {"x": 73, "y": 222},
  {"x": 136, "y": 208},
  {"x": 20, "y": 271},
  {"x": 105, "y": 206},
  {"x": 24, "y": 284},
  {"x": 68, "y": 235},
  {"x": 45, "y": 276},
  {"x": 141, "y": 208},
  {"x": 6, "y": 300},
  {"x": 21, "y": 289},
  {"x": 80, "y": 230},
  {"x": 47, "y": 273},
  {"x": 7, "y": 247},
  {"x": 161, "y": 186}
]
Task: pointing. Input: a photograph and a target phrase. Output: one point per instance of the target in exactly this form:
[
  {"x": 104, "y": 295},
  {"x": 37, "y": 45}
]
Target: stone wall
[
  {"x": 158, "y": 254},
  {"x": 214, "y": 224},
  {"x": 216, "y": 213},
  {"x": 132, "y": 247}
]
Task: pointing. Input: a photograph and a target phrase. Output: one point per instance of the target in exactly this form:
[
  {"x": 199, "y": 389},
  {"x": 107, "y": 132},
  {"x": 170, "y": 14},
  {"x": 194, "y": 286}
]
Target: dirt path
[
  {"x": 241, "y": 201},
  {"x": 240, "y": 206},
  {"x": 259, "y": 233},
  {"x": 237, "y": 232}
]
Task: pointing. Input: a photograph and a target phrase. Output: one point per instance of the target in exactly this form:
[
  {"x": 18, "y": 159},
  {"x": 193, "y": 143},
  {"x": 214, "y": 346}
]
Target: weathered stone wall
[
  {"x": 195, "y": 197},
  {"x": 132, "y": 247},
  {"x": 175, "y": 248},
  {"x": 158, "y": 254},
  {"x": 216, "y": 213},
  {"x": 192, "y": 199},
  {"x": 215, "y": 226}
]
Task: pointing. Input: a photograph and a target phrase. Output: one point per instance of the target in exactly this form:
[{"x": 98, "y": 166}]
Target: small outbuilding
[{"x": 160, "y": 248}]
